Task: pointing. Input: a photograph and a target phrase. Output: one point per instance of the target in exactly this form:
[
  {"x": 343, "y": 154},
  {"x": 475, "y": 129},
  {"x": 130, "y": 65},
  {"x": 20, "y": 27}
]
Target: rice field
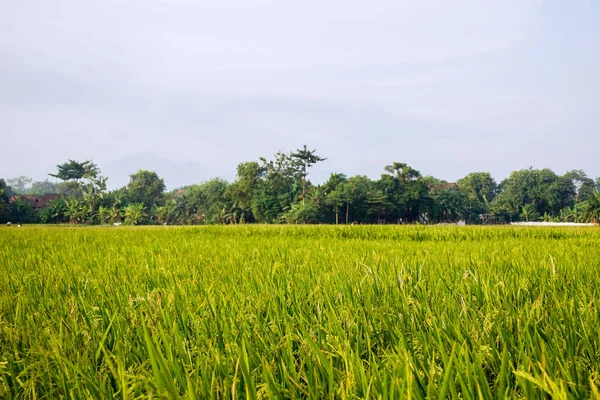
[{"x": 317, "y": 312}]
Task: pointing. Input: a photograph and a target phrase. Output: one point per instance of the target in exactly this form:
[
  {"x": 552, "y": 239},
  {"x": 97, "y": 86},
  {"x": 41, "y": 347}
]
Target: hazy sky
[{"x": 448, "y": 86}]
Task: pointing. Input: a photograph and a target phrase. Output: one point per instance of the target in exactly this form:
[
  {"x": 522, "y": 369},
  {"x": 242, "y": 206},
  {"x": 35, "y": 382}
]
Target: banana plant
[
  {"x": 591, "y": 208},
  {"x": 135, "y": 213},
  {"x": 104, "y": 214},
  {"x": 116, "y": 214},
  {"x": 73, "y": 210}
]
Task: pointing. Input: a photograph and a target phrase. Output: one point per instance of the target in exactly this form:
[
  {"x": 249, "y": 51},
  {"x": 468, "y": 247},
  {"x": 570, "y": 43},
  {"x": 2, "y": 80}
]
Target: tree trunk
[
  {"x": 337, "y": 217},
  {"x": 304, "y": 185},
  {"x": 347, "y": 212}
]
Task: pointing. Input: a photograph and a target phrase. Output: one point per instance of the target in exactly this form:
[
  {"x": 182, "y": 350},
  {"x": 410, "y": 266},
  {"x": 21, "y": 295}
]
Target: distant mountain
[{"x": 175, "y": 174}]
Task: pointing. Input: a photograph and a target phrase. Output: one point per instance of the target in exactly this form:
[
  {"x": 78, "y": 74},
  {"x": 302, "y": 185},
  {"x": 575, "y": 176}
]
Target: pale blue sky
[{"x": 448, "y": 86}]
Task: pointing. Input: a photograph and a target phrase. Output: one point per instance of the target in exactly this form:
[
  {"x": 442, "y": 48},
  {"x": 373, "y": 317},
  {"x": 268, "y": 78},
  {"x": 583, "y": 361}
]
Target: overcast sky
[{"x": 450, "y": 87}]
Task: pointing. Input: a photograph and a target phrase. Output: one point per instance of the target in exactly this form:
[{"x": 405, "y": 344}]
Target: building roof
[{"x": 37, "y": 201}]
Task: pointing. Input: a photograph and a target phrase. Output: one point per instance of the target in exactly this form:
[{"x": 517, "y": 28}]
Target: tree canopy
[{"x": 279, "y": 190}]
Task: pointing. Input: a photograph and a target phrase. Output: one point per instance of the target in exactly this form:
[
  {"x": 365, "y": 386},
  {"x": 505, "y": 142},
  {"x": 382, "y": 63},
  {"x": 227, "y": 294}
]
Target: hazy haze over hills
[{"x": 449, "y": 87}]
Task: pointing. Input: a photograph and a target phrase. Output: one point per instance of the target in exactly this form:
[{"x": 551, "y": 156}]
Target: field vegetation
[{"x": 299, "y": 312}]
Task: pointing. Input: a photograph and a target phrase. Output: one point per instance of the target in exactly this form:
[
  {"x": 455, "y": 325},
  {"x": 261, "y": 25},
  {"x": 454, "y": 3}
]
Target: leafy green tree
[
  {"x": 75, "y": 173},
  {"x": 358, "y": 188},
  {"x": 301, "y": 213},
  {"x": 337, "y": 196},
  {"x": 242, "y": 191},
  {"x": 277, "y": 190},
  {"x": 309, "y": 211},
  {"x": 576, "y": 187},
  {"x": 452, "y": 203},
  {"x": 481, "y": 189},
  {"x": 267, "y": 206},
  {"x": 406, "y": 190},
  {"x": 83, "y": 180},
  {"x": 529, "y": 194},
  {"x": 147, "y": 188},
  {"x": 336, "y": 199},
  {"x": 403, "y": 172},
  {"x": 211, "y": 200},
  {"x": 378, "y": 205}
]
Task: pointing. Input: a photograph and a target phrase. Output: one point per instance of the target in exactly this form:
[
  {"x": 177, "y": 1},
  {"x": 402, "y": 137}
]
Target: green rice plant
[{"x": 284, "y": 312}]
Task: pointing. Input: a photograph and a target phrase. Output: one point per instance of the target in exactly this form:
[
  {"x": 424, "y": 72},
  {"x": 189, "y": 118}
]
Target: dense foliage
[
  {"x": 299, "y": 312},
  {"x": 279, "y": 190}
]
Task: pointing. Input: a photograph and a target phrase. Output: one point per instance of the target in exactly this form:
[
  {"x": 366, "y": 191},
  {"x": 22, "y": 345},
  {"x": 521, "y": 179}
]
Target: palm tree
[{"x": 134, "y": 213}]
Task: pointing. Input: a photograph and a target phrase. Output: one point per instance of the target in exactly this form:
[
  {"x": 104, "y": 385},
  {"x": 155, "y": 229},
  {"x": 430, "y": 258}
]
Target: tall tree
[
  {"x": 147, "y": 188},
  {"x": 82, "y": 177},
  {"x": 378, "y": 205},
  {"x": 358, "y": 188},
  {"x": 529, "y": 194},
  {"x": 305, "y": 159},
  {"x": 407, "y": 191},
  {"x": 76, "y": 171},
  {"x": 481, "y": 189},
  {"x": 211, "y": 200},
  {"x": 242, "y": 191},
  {"x": 337, "y": 195},
  {"x": 403, "y": 172},
  {"x": 277, "y": 190},
  {"x": 453, "y": 204},
  {"x": 584, "y": 186}
]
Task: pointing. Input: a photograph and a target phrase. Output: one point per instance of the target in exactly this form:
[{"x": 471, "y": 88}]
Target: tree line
[{"x": 278, "y": 190}]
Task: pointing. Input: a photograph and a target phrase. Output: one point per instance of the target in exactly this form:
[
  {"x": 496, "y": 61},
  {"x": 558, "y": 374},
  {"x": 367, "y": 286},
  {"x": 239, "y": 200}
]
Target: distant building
[
  {"x": 36, "y": 201},
  {"x": 443, "y": 185}
]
